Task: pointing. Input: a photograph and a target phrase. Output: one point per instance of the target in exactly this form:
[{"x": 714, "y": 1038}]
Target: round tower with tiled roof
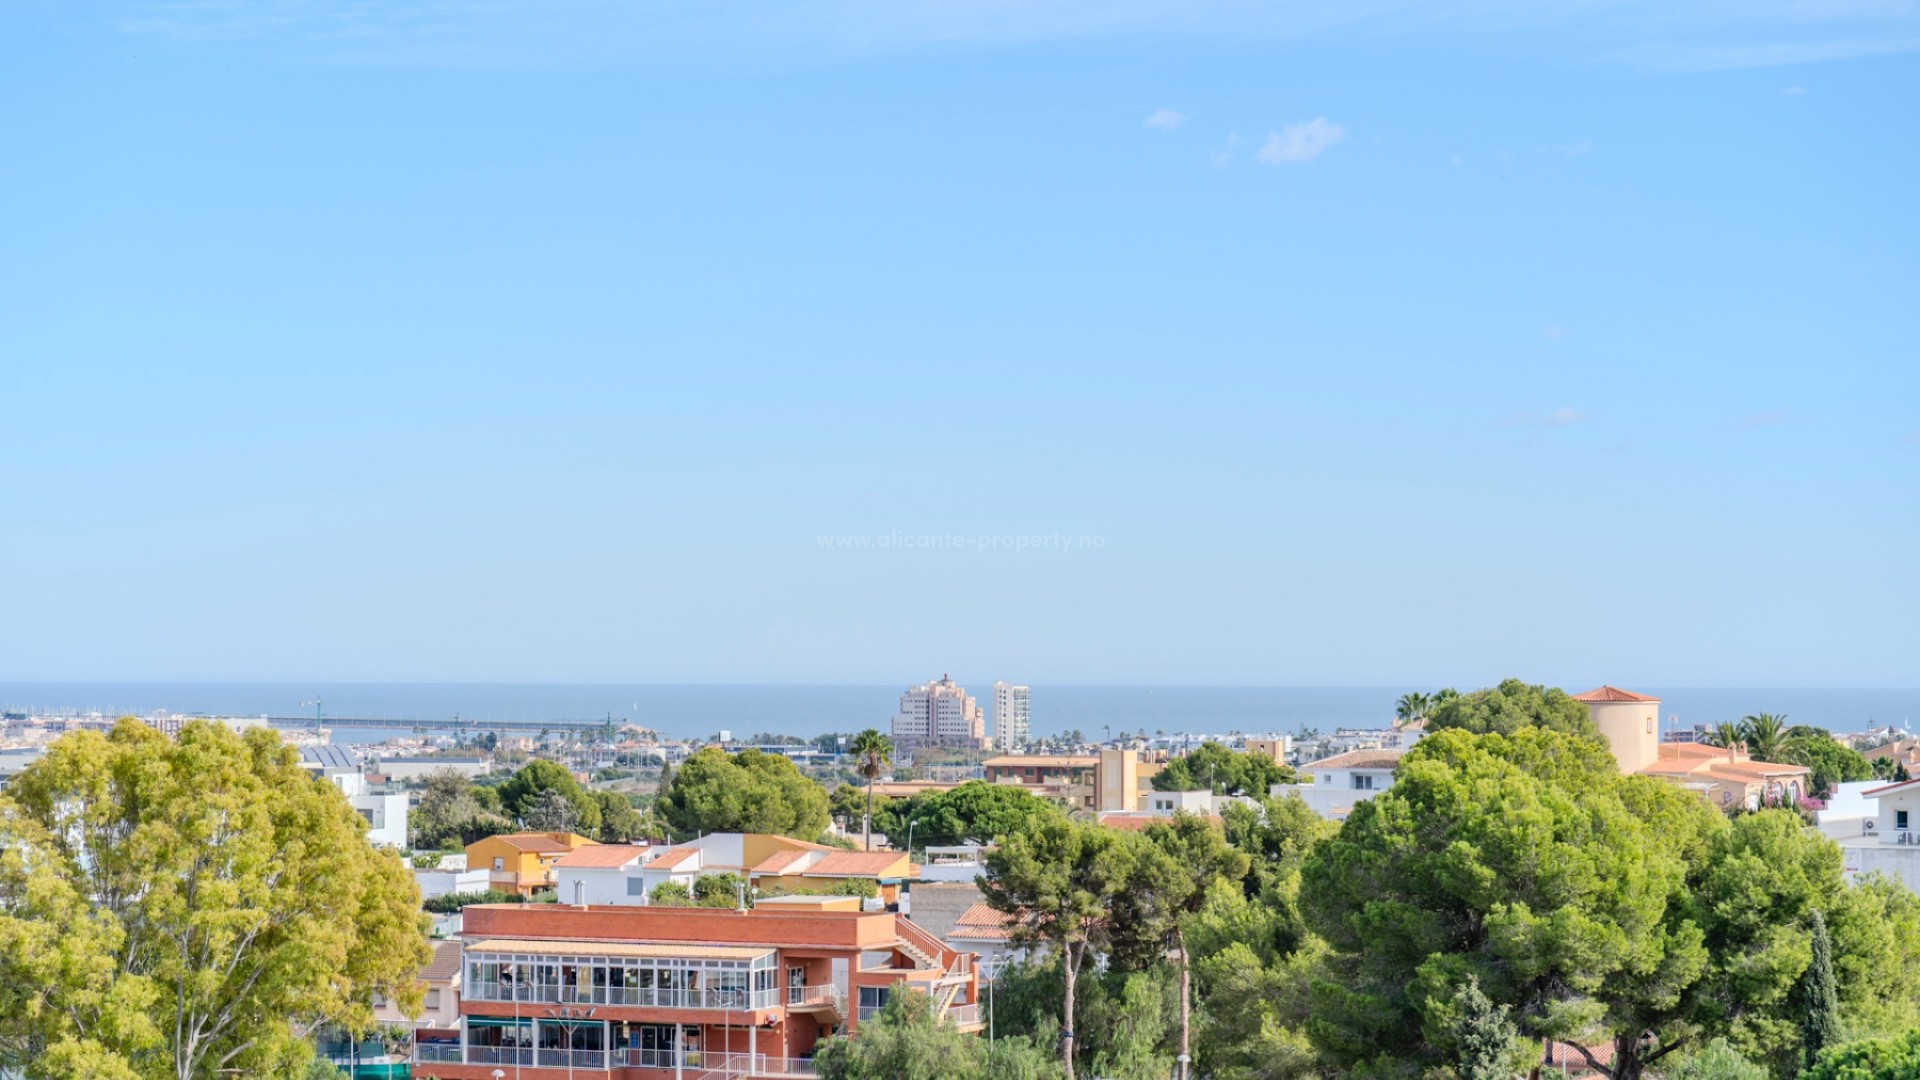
[{"x": 1630, "y": 722}]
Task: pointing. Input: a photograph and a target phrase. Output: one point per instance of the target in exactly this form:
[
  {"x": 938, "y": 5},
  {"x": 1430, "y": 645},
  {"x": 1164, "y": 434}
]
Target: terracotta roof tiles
[{"x": 1612, "y": 693}]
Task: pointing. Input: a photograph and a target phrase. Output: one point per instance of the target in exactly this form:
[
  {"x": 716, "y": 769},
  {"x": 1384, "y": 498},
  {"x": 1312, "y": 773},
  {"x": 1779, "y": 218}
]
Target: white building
[
  {"x": 385, "y": 812},
  {"x": 413, "y": 768},
  {"x": 1886, "y": 838},
  {"x": 445, "y": 882},
  {"x": 939, "y": 714},
  {"x": 1011, "y": 727},
  {"x": 607, "y": 874},
  {"x": 1343, "y": 780}
]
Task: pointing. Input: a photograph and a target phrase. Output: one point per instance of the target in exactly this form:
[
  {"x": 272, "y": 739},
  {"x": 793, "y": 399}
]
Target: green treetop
[
  {"x": 748, "y": 792},
  {"x": 190, "y": 907},
  {"x": 1505, "y": 709},
  {"x": 1213, "y": 767}
]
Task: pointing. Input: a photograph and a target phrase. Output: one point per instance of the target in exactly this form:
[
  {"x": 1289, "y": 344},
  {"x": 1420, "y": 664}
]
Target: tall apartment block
[
  {"x": 939, "y": 714},
  {"x": 1010, "y": 730}
]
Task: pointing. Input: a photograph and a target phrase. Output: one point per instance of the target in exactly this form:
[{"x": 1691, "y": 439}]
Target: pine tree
[
  {"x": 1819, "y": 1002},
  {"x": 1482, "y": 1034}
]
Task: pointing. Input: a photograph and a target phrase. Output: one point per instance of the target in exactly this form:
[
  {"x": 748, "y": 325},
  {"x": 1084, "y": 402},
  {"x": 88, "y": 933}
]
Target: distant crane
[{"x": 317, "y": 714}]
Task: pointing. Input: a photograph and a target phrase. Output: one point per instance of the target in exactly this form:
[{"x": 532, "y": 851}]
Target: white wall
[
  {"x": 386, "y": 817},
  {"x": 442, "y": 882},
  {"x": 597, "y": 885}
]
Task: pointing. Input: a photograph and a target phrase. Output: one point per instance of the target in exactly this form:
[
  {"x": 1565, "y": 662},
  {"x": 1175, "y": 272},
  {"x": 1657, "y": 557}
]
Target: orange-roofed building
[
  {"x": 522, "y": 862},
  {"x": 624, "y": 993},
  {"x": 1725, "y": 776}
]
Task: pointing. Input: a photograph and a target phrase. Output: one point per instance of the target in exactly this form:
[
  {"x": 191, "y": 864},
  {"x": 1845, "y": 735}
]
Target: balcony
[
  {"x": 633, "y": 996},
  {"x": 438, "y": 1053}
]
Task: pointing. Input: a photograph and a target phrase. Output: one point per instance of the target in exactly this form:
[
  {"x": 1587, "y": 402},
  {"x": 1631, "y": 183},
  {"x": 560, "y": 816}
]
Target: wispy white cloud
[
  {"x": 1553, "y": 333},
  {"x": 1166, "y": 120},
  {"x": 1566, "y": 416},
  {"x": 1297, "y": 144},
  {"x": 1571, "y": 150},
  {"x": 1794, "y": 91}
]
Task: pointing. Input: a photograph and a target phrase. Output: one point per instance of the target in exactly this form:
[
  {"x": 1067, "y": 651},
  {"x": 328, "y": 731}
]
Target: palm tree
[
  {"x": 1765, "y": 735},
  {"x": 1411, "y": 707},
  {"x": 1727, "y": 735},
  {"x": 874, "y": 751},
  {"x": 1444, "y": 695}
]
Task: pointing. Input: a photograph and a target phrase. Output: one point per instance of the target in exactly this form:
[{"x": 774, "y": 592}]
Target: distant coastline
[{"x": 692, "y": 711}]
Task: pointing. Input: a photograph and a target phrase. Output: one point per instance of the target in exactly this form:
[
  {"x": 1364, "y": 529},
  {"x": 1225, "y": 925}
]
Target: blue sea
[{"x": 688, "y": 711}]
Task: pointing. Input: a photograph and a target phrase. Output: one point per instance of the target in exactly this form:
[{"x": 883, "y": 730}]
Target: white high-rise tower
[{"x": 1010, "y": 730}]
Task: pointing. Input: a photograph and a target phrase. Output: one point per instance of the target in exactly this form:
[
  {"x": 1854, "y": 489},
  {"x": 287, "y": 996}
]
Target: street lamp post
[{"x": 570, "y": 1020}]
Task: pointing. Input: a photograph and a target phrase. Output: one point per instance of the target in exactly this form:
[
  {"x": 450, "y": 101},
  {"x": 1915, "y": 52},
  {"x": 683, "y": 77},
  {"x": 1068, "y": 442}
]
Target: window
[
  {"x": 1900, "y": 819},
  {"x": 499, "y": 862},
  {"x": 872, "y": 1000},
  {"x": 433, "y": 999},
  {"x": 1362, "y": 782},
  {"x": 636, "y": 886}
]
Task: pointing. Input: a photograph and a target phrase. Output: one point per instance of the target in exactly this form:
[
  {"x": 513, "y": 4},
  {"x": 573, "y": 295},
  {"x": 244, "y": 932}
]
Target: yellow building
[{"x": 521, "y": 862}]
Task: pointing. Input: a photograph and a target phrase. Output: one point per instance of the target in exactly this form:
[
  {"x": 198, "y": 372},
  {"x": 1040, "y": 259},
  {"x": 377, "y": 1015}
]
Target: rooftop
[
  {"x": 601, "y": 856},
  {"x": 1359, "y": 759},
  {"x": 1612, "y": 693},
  {"x": 602, "y": 947},
  {"x": 537, "y": 841},
  {"x": 445, "y": 965},
  {"x": 1069, "y": 761},
  {"x": 857, "y": 863}
]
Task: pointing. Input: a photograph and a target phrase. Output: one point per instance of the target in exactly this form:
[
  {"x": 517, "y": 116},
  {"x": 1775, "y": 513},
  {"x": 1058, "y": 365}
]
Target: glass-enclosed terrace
[{"x": 616, "y": 973}]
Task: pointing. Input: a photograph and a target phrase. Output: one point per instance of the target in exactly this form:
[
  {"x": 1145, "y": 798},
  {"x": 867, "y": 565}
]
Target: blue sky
[{"x": 1349, "y": 343}]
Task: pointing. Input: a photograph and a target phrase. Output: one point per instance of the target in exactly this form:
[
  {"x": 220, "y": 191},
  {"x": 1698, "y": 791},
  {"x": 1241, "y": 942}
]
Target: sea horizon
[{"x": 694, "y": 710}]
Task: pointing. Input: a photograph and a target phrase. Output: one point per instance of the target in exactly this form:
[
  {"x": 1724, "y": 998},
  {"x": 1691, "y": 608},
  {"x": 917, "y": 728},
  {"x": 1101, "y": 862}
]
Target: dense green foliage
[
  {"x": 1486, "y": 1044},
  {"x": 1596, "y": 906},
  {"x": 1715, "y": 1061},
  {"x": 747, "y": 792},
  {"x": 1213, "y": 767},
  {"x": 452, "y": 813},
  {"x": 191, "y": 906},
  {"x": 905, "y": 1041},
  {"x": 1063, "y": 879},
  {"x": 1509, "y": 707},
  {"x": 1819, "y": 1000},
  {"x": 974, "y": 811},
  {"x": 1871, "y": 1059},
  {"x": 533, "y": 794},
  {"x": 1830, "y": 761}
]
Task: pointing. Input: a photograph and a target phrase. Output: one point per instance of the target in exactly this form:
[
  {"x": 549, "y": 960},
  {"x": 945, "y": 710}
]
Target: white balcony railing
[{"x": 572, "y": 1059}]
